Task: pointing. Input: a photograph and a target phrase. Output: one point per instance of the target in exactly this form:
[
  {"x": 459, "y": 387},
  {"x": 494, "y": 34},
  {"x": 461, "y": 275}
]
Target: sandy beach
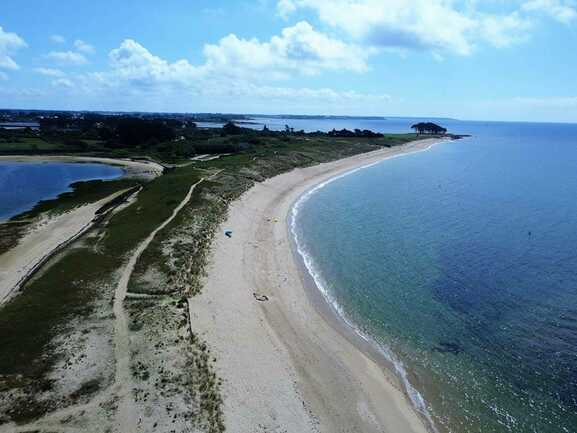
[
  {"x": 287, "y": 364},
  {"x": 132, "y": 168},
  {"x": 48, "y": 235}
]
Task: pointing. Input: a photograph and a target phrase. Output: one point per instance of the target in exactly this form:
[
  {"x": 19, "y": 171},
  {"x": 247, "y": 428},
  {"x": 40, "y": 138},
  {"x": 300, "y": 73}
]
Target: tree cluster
[
  {"x": 429, "y": 128},
  {"x": 357, "y": 133}
]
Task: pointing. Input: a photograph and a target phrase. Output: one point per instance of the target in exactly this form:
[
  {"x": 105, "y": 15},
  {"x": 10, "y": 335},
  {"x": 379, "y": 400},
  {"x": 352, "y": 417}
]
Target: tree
[
  {"x": 134, "y": 132},
  {"x": 428, "y": 128},
  {"x": 230, "y": 128}
]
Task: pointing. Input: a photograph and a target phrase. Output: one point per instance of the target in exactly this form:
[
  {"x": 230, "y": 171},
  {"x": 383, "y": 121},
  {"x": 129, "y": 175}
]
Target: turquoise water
[
  {"x": 460, "y": 264},
  {"x": 24, "y": 184}
]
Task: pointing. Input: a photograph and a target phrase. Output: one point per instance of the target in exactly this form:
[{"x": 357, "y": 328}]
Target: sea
[
  {"x": 24, "y": 184},
  {"x": 459, "y": 264}
]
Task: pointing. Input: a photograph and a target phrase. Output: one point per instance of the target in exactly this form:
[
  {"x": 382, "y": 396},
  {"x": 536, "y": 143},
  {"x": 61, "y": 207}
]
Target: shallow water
[
  {"x": 23, "y": 184},
  {"x": 461, "y": 262}
]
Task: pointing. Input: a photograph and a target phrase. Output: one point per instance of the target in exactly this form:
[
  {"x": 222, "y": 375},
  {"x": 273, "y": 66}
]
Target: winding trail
[
  {"x": 125, "y": 421},
  {"x": 126, "y": 414},
  {"x": 20, "y": 263}
]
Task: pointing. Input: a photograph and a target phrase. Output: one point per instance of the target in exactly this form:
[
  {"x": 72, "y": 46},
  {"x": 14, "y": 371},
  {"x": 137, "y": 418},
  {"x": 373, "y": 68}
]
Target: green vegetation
[
  {"x": 68, "y": 289},
  {"x": 429, "y": 128},
  {"x": 82, "y": 192},
  {"x": 77, "y": 282},
  {"x": 183, "y": 244}
]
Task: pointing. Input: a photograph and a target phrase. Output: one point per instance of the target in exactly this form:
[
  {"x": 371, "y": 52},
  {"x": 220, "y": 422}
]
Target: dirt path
[
  {"x": 125, "y": 421},
  {"x": 125, "y": 416},
  {"x": 21, "y": 262}
]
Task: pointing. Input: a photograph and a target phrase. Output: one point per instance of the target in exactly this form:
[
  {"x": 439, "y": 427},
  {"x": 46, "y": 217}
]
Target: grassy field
[
  {"x": 66, "y": 291},
  {"x": 82, "y": 192}
]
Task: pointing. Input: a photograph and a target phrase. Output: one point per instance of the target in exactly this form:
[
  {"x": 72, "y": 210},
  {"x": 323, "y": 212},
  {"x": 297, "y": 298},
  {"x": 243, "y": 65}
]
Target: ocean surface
[
  {"x": 460, "y": 264},
  {"x": 23, "y": 184}
]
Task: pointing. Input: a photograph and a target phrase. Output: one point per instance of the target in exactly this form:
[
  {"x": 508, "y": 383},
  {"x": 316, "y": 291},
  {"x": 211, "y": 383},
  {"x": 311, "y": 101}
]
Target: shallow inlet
[{"x": 23, "y": 184}]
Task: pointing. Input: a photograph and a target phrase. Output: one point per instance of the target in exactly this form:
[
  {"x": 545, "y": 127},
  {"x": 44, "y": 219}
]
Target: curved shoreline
[
  {"x": 332, "y": 312},
  {"x": 20, "y": 263},
  {"x": 285, "y": 365},
  {"x": 132, "y": 168}
]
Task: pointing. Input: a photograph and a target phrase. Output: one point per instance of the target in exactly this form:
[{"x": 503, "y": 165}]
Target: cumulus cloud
[
  {"x": 133, "y": 62},
  {"x": 504, "y": 30},
  {"x": 83, "y": 47},
  {"x": 58, "y": 39},
  {"x": 245, "y": 89},
  {"x": 285, "y": 8},
  {"x": 50, "y": 72},
  {"x": 231, "y": 68},
  {"x": 562, "y": 10},
  {"x": 67, "y": 57},
  {"x": 74, "y": 57},
  {"x": 63, "y": 82},
  {"x": 436, "y": 25},
  {"x": 22, "y": 92},
  {"x": 9, "y": 44},
  {"x": 299, "y": 48}
]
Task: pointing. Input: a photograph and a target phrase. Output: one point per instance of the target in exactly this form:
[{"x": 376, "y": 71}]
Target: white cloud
[
  {"x": 58, "y": 39},
  {"x": 436, "y": 25},
  {"x": 562, "y": 10},
  {"x": 50, "y": 72},
  {"x": 132, "y": 62},
  {"x": 245, "y": 89},
  {"x": 83, "y": 47},
  {"x": 233, "y": 68},
  {"x": 9, "y": 44},
  {"x": 299, "y": 48},
  {"x": 67, "y": 57},
  {"x": 505, "y": 30},
  {"x": 285, "y": 8},
  {"x": 63, "y": 82},
  {"x": 22, "y": 92}
]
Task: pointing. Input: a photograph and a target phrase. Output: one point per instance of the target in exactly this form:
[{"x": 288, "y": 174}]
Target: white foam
[{"x": 415, "y": 396}]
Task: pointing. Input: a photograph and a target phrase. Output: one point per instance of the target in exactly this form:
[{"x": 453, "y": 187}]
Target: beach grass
[{"x": 66, "y": 290}]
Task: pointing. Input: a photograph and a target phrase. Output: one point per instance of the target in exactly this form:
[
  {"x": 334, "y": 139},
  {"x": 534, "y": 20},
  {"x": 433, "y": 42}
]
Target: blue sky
[{"x": 471, "y": 59}]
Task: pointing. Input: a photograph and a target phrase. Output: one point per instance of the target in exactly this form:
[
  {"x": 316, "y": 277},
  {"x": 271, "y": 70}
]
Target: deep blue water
[
  {"x": 23, "y": 184},
  {"x": 461, "y": 263}
]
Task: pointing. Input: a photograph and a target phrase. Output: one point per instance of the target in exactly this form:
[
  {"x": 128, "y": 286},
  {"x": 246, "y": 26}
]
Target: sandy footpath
[
  {"x": 53, "y": 232},
  {"x": 47, "y": 236},
  {"x": 132, "y": 168},
  {"x": 287, "y": 367}
]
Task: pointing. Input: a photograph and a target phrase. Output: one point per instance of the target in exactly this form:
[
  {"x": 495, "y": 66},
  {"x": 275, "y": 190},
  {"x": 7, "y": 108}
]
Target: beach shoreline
[
  {"x": 288, "y": 364},
  {"x": 132, "y": 168},
  {"x": 49, "y": 235}
]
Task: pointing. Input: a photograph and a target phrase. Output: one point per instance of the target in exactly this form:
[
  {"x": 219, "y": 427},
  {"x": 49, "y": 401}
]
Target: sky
[{"x": 466, "y": 59}]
